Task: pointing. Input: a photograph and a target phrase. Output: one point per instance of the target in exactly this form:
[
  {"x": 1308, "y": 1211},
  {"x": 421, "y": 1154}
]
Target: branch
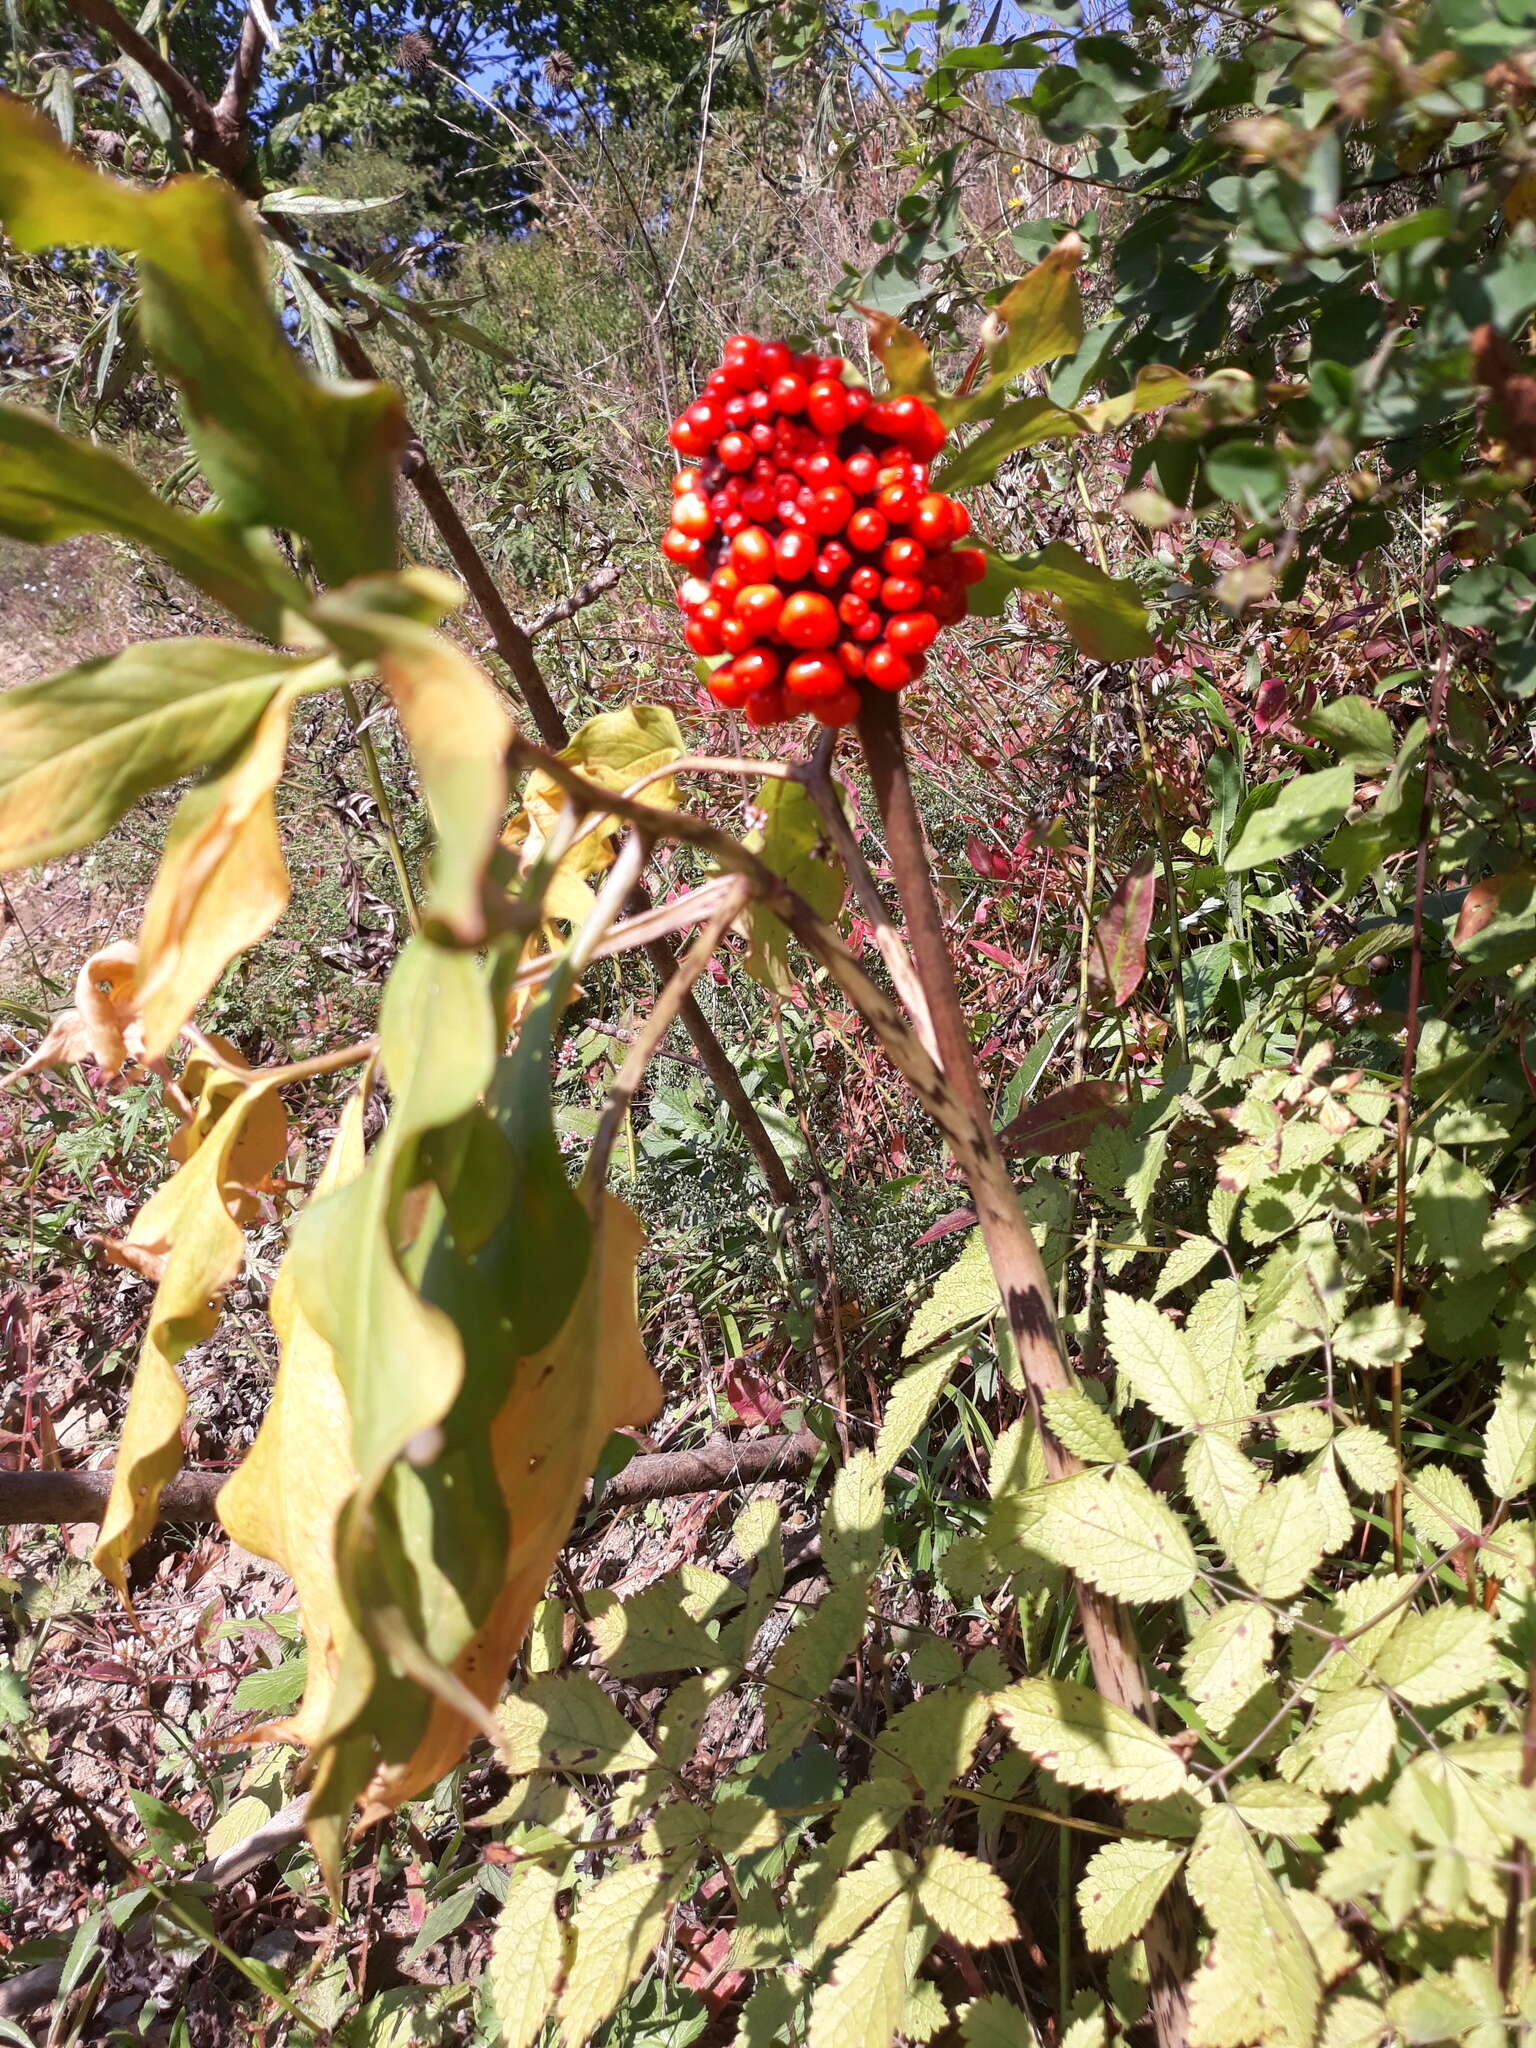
[
  {"x": 190, "y": 1497},
  {"x": 207, "y": 137}
]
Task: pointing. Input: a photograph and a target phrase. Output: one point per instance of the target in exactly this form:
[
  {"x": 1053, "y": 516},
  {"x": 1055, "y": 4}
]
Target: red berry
[
  {"x": 905, "y": 556},
  {"x": 724, "y": 584},
  {"x": 736, "y": 451},
  {"x": 853, "y": 610},
  {"x": 842, "y": 709},
  {"x": 759, "y": 606},
  {"x": 867, "y": 529},
  {"x": 789, "y": 393},
  {"x": 691, "y": 593},
  {"x": 737, "y": 635},
  {"x": 850, "y": 654},
  {"x": 827, "y": 404},
  {"x": 757, "y": 668},
  {"x": 706, "y": 418},
  {"x": 898, "y": 502},
  {"x": 822, "y": 468},
  {"x": 933, "y": 521},
  {"x": 752, "y": 553},
  {"x": 870, "y": 627},
  {"x": 768, "y": 707},
  {"x": 901, "y": 593},
  {"x": 760, "y": 434},
  {"x": 973, "y": 564},
  {"x": 807, "y": 620},
  {"x": 960, "y": 518},
  {"x": 686, "y": 480},
  {"x": 773, "y": 359},
  {"x": 911, "y": 632},
  {"x": 794, "y": 554},
  {"x": 814, "y": 675},
  {"x": 858, "y": 403},
  {"x": 860, "y": 471},
  {"x": 727, "y": 688},
  {"x": 887, "y": 669},
  {"x": 693, "y": 514},
  {"x": 832, "y": 564},
  {"x": 865, "y": 582},
  {"x": 703, "y": 633},
  {"x": 681, "y": 548}
]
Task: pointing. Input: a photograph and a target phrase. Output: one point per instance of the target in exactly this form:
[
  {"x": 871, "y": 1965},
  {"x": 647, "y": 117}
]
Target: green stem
[{"x": 380, "y": 797}]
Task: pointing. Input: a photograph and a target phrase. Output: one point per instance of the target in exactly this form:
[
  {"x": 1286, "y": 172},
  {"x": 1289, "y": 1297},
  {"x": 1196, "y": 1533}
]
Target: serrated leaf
[
  {"x": 852, "y": 1528},
  {"x": 1112, "y": 1530},
  {"x": 1255, "y": 1926},
  {"x": 865, "y": 1818},
  {"x": 858, "y": 1895},
  {"x": 614, "y": 1932},
  {"x": 1509, "y": 1454},
  {"x": 909, "y": 1405},
  {"x": 568, "y": 1720},
  {"x": 805, "y": 1664},
  {"x": 1280, "y": 1538},
  {"x": 965, "y": 1898},
  {"x": 1441, "y": 1507},
  {"x": 1080, "y": 1426},
  {"x": 995, "y": 2022},
  {"x": 1087, "y": 1740},
  {"x": 1381, "y": 1335},
  {"x": 1432, "y": 1659},
  {"x": 934, "y": 1740},
  {"x": 790, "y": 840},
  {"x": 1037, "y": 319},
  {"x": 1104, "y": 614},
  {"x": 1155, "y": 1360},
  {"x": 1279, "y": 1809},
  {"x": 1346, "y": 1746},
  {"x": 862, "y": 2001},
  {"x": 1216, "y": 1332},
  {"x": 1222, "y": 1484},
  {"x": 1119, "y": 1889},
  {"x": 1353, "y": 2022},
  {"x": 527, "y": 1953},
  {"x": 1367, "y": 1457},
  {"x": 652, "y": 1631},
  {"x": 963, "y": 1294},
  {"x": 1228, "y": 1657},
  {"x": 1183, "y": 1263},
  {"x": 1300, "y": 813}
]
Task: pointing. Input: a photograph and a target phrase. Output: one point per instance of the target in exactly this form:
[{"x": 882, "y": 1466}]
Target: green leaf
[
  {"x": 1017, "y": 426},
  {"x": 805, "y": 1664},
  {"x": 1347, "y": 1744},
  {"x": 1080, "y": 1426},
  {"x": 1249, "y": 474},
  {"x": 858, "y": 1895},
  {"x": 1434, "y": 1658},
  {"x": 77, "y": 750},
  {"x": 1087, "y": 1740},
  {"x": 278, "y": 447},
  {"x": 1357, "y": 730},
  {"x": 866, "y": 1817},
  {"x": 862, "y": 2001},
  {"x": 963, "y": 1294},
  {"x": 1111, "y": 1529},
  {"x": 910, "y": 1403},
  {"x": 1280, "y": 1539},
  {"x": 1038, "y": 319},
  {"x": 568, "y": 1720},
  {"x": 852, "y": 1529},
  {"x": 1381, "y": 1335},
  {"x": 1156, "y": 1360},
  {"x": 965, "y": 1898},
  {"x": 1299, "y": 813},
  {"x": 1228, "y": 1658},
  {"x": 995, "y": 2022},
  {"x": 53, "y": 487},
  {"x": 652, "y": 1631},
  {"x": 1187, "y": 1259},
  {"x": 933, "y": 1741},
  {"x": 1221, "y": 1483},
  {"x": 1279, "y": 1809},
  {"x": 1367, "y": 1457},
  {"x": 1441, "y": 1507},
  {"x": 1103, "y": 614},
  {"x": 790, "y": 841},
  {"x": 1119, "y": 1889},
  {"x": 615, "y": 1930},
  {"x": 1254, "y": 1924},
  {"x": 1509, "y": 1452}
]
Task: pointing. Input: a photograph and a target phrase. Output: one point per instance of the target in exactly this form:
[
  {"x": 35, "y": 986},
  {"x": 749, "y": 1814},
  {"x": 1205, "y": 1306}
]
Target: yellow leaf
[
  {"x": 283, "y": 1501},
  {"x": 965, "y": 1898},
  {"x": 527, "y": 1955},
  {"x": 615, "y": 1930},
  {"x": 222, "y": 884},
  {"x": 861, "y": 2003},
  {"x": 566, "y": 1401},
  {"x": 187, "y": 1224}
]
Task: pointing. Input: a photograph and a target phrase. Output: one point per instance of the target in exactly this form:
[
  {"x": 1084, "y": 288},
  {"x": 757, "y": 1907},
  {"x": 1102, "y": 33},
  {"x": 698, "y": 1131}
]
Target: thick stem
[{"x": 1020, "y": 1272}]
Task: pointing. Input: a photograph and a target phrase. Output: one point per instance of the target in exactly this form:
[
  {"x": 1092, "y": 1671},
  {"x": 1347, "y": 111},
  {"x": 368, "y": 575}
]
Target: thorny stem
[{"x": 385, "y": 809}]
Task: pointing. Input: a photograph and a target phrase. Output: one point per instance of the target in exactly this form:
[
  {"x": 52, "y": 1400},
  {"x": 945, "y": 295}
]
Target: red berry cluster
[{"x": 817, "y": 556}]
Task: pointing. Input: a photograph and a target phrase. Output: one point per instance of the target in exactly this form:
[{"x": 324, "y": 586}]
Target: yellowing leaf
[
  {"x": 1432, "y": 1659},
  {"x": 934, "y": 1740},
  {"x": 1346, "y": 1746},
  {"x": 107, "y": 1005},
  {"x": 1441, "y": 1508},
  {"x": 527, "y": 1955},
  {"x": 1087, "y": 1740},
  {"x": 1113, "y": 1530},
  {"x": 1367, "y": 1457},
  {"x": 994, "y": 2022},
  {"x": 902, "y": 355},
  {"x": 910, "y": 1403},
  {"x": 1156, "y": 1361},
  {"x": 965, "y": 1898},
  {"x": 1255, "y": 1926},
  {"x": 1228, "y": 1658},
  {"x": 652, "y": 1631},
  {"x": 865, "y": 1818},
  {"x": 1080, "y": 1426},
  {"x": 857, "y": 1896},
  {"x": 1509, "y": 1459},
  {"x": 221, "y": 884},
  {"x": 1279, "y": 1809},
  {"x": 283, "y": 1501},
  {"x": 805, "y": 1664},
  {"x": 1120, "y": 1888},
  {"x": 861, "y": 2003},
  {"x": 187, "y": 1224},
  {"x": 615, "y": 1930},
  {"x": 77, "y": 750},
  {"x": 962, "y": 1294},
  {"x": 790, "y": 841},
  {"x": 567, "y": 1719},
  {"x": 1220, "y": 1483},
  {"x": 1039, "y": 318},
  {"x": 1280, "y": 1538},
  {"x": 852, "y": 1529}
]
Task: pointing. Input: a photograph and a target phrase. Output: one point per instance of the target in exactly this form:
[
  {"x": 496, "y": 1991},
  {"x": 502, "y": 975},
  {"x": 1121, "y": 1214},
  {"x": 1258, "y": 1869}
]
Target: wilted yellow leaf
[{"x": 188, "y": 1226}]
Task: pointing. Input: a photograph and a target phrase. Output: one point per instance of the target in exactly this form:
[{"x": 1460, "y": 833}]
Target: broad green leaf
[
  {"x": 1080, "y": 1426},
  {"x": 1347, "y": 1744},
  {"x": 1279, "y": 1809},
  {"x": 278, "y": 447},
  {"x": 866, "y": 1817},
  {"x": 1367, "y": 1457},
  {"x": 1463, "y": 2004},
  {"x": 805, "y": 1664},
  {"x": 965, "y": 1898},
  {"x": 1254, "y": 1925},
  {"x": 614, "y": 1932},
  {"x": 1228, "y": 1658},
  {"x": 1353, "y": 2022},
  {"x": 1300, "y": 812},
  {"x": 1117, "y": 949},
  {"x": 187, "y": 1234},
  {"x": 1434, "y": 1658},
  {"x": 527, "y": 1954},
  {"x": 569, "y": 1721},
  {"x": 53, "y": 487},
  {"x": 1183, "y": 1263},
  {"x": 910, "y": 1404},
  {"x": 1086, "y": 1740},
  {"x": 1381, "y": 1335},
  {"x": 77, "y": 750},
  {"x": 1441, "y": 1508},
  {"x": 1221, "y": 1484},
  {"x": 934, "y": 1741},
  {"x": 652, "y": 1631},
  {"x": 858, "y": 1895},
  {"x": 995, "y": 2022},
  {"x": 852, "y": 1528},
  {"x": 1017, "y": 426},
  {"x": 790, "y": 841},
  {"x": 1110, "y": 1528},
  {"x": 1103, "y": 614},
  {"x": 283, "y": 1501},
  {"x": 903, "y": 358},
  {"x": 1280, "y": 1539},
  {"x": 221, "y": 884},
  {"x": 1509, "y": 1452},
  {"x": 1217, "y": 1333},
  {"x": 1357, "y": 730},
  {"x": 1120, "y": 1888},
  {"x": 962, "y": 1294},
  {"x": 1038, "y": 319},
  {"x": 862, "y": 2001},
  {"x": 1156, "y": 385},
  {"x": 1156, "y": 1361}
]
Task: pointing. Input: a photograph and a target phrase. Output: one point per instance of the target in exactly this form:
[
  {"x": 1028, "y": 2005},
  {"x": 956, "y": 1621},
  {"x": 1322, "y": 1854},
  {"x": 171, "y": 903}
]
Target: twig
[{"x": 597, "y": 583}]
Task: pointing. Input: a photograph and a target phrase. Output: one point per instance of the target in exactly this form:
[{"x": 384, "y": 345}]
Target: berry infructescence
[{"x": 817, "y": 558}]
